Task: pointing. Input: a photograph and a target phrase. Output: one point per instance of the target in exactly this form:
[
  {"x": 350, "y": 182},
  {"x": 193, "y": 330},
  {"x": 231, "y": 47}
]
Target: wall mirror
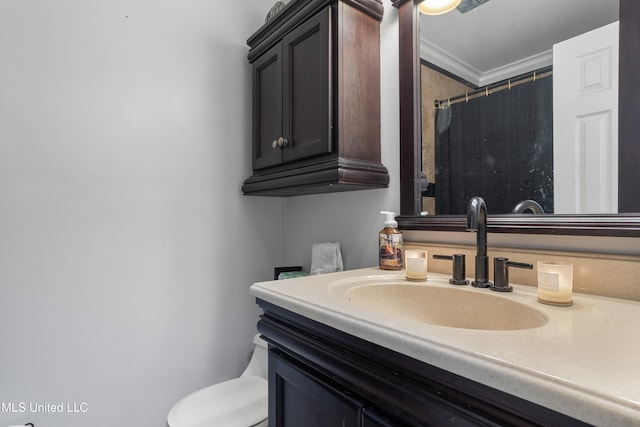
[{"x": 441, "y": 37}]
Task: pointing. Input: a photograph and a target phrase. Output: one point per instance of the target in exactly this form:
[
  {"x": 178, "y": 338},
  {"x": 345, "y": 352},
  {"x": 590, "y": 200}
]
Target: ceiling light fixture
[{"x": 438, "y": 7}]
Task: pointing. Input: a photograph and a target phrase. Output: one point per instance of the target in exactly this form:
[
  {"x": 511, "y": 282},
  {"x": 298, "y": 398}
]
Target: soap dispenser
[{"x": 390, "y": 252}]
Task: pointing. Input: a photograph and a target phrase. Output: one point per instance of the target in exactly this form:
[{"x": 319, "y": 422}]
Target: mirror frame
[{"x": 623, "y": 225}]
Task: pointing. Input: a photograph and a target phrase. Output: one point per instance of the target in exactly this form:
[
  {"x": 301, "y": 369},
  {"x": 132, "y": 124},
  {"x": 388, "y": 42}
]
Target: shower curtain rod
[{"x": 496, "y": 87}]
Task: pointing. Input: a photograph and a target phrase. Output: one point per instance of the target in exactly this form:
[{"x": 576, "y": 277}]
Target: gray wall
[{"x": 126, "y": 247}]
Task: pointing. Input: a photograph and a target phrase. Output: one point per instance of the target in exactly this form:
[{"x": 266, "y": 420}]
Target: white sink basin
[{"x": 467, "y": 308}]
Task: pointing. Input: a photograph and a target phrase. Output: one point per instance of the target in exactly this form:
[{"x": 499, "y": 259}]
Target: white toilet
[{"x": 240, "y": 402}]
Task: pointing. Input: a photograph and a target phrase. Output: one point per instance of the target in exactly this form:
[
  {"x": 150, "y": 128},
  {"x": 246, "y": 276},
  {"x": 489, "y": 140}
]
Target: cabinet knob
[
  {"x": 283, "y": 142},
  {"x": 280, "y": 142}
]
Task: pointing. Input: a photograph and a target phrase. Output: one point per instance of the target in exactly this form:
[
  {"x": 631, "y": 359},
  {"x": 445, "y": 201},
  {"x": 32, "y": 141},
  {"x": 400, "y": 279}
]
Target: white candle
[
  {"x": 415, "y": 261},
  {"x": 555, "y": 283}
]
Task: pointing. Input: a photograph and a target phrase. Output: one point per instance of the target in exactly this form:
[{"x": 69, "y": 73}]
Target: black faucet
[{"x": 477, "y": 221}]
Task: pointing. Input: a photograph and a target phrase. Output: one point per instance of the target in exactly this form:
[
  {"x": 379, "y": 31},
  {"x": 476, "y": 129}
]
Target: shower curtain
[{"x": 499, "y": 147}]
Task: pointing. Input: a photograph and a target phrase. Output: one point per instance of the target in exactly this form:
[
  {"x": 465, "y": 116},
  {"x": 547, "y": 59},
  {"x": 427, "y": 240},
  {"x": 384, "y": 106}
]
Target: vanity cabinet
[
  {"x": 316, "y": 99},
  {"x": 304, "y": 397},
  {"x": 321, "y": 376},
  {"x": 373, "y": 418},
  {"x": 306, "y": 400}
]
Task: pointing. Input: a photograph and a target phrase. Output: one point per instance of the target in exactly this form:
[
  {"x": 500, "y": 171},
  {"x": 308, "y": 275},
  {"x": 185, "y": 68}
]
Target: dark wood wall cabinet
[
  {"x": 320, "y": 376},
  {"x": 316, "y": 99}
]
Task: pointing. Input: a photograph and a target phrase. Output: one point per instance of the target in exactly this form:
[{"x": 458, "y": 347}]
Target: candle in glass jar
[
  {"x": 415, "y": 261},
  {"x": 555, "y": 283}
]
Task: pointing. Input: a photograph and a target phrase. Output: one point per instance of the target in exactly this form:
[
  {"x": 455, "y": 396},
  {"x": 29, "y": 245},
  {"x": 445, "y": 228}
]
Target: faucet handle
[
  {"x": 501, "y": 273},
  {"x": 459, "y": 273}
]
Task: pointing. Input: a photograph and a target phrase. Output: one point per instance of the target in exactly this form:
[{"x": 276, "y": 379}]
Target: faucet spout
[
  {"x": 477, "y": 221},
  {"x": 528, "y": 205}
]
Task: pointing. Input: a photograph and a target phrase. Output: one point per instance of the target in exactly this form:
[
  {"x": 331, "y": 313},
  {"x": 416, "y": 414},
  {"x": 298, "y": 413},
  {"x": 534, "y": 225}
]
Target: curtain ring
[
  {"x": 534, "y": 76},
  {"x": 509, "y": 84},
  {"x": 466, "y": 95},
  {"x": 449, "y": 103},
  {"x": 486, "y": 90}
]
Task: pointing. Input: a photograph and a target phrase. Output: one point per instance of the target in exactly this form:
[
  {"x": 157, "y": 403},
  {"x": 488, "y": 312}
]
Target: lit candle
[
  {"x": 555, "y": 283},
  {"x": 416, "y": 264}
]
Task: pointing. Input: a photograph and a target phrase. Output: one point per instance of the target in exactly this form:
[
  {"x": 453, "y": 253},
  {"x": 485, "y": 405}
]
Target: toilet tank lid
[{"x": 237, "y": 402}]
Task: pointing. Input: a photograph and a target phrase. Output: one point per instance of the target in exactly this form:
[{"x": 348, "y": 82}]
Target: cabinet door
[
  {"x": 267, "y": 108},
  {"x": 308, "y": 88},
  {"x": 298, "y": 397}
]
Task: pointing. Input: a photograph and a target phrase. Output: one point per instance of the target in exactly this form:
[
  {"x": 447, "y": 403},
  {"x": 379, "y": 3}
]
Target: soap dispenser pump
[{"x": 390, "y": 251}]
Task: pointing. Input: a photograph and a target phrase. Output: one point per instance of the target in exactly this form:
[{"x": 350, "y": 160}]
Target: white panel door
[{"x": 585, "y": 122}]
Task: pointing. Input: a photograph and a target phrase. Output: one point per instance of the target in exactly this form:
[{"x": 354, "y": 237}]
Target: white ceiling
[{"x": 505, "y": 38}]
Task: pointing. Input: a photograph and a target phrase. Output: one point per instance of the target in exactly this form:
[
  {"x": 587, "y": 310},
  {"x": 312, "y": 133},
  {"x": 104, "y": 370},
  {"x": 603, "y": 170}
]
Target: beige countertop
[{"x": 584, "y": 362}]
